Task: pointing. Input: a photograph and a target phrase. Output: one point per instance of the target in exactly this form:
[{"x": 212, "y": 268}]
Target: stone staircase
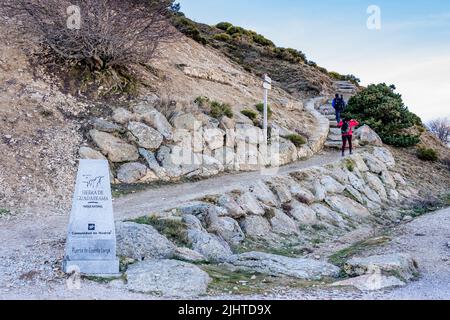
[{"x": 334, "y": 138}]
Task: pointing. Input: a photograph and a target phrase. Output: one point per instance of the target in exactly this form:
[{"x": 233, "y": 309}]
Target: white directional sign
[
  {"x": 267, "y": 82},
  {"x": 91, "y": 237}
]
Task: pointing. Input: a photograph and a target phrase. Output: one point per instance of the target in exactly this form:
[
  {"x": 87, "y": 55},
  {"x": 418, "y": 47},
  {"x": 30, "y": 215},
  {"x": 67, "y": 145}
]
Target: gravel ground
[{"x": 30, "y": 269}]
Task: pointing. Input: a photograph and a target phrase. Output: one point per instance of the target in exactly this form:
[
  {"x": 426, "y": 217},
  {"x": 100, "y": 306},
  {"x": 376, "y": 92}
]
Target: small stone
[
  {"x": 407, "y": 219},
  {"x": 253, "y": 277}
]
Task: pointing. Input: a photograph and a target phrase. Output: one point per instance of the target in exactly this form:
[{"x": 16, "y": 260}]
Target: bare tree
[
  {"x": 441, "y": 128},
  {"x": 98, "y": 33}
]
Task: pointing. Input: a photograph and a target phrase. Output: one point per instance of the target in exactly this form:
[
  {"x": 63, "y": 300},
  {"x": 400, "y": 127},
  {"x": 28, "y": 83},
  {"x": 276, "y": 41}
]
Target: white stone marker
[{"x": 91, "y": 236}]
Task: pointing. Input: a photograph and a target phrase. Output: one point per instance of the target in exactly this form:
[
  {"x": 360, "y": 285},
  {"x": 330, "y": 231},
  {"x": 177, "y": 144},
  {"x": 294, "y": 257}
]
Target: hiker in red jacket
[{"x": 347, "y": 126}]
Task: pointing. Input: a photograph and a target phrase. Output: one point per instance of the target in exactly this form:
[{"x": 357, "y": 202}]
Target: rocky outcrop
[
  {"x": 131, "y": 172},
  {"x": 275, "y": 265},
  {"x": 116, "y": 149},
  {"x": 141, "y": 242},
  {"x": 169, "y": 278},
  {"x": 145, "y": 136},
  {"x": 397, "y": 264},
  {"x": 367, "y": 136}
]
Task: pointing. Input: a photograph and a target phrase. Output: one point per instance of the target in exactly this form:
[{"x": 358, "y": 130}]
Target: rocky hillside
[
  {"x": 290, "y": 68},
  {"x": 44, "y": 125}
]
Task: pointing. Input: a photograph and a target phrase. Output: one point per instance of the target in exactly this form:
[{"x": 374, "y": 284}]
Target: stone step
[
  {"x": 334, "y": 137},
  {"x": 331, "y": 117},
  {"x": 336, "y": 131},
  {"x": 333, "y": 124},
  {"x": 338, "y": 144}
]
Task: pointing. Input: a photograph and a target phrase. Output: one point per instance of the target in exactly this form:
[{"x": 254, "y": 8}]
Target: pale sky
[{"x": 411, "y": 50}]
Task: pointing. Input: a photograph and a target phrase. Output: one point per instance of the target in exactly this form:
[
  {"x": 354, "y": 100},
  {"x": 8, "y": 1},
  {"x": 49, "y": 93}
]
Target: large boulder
[
  {"x": 282, "y": 224},
  {"x": 189, "y": 255},
  {"x": 122, "y": 116},
  {"x": 249, "y": 204},
  {"x": 105, "y": 125},
  {"x": 153, "y": 164},
  {"x": 139, "y": 241},
  {"x": 367, "y": 136},
  {"x": 385, "y": 156},
  {"x": 303, "y": 214},
  {"x": 262, "y": 193},
  {"x": 225, "y": 227},
  {"x": 131, "y": 172},
  {"x": 214, "y": 248},
  {"x": 226, "y": 156},
  {"x": 375, "y": 183},
  {"x": 116, "y": 149},
  {"x": 210, "y": 166},
  {"x": 185, "y": 121},
  {"x": 280, "y": 187},
  {"x": 231, "y": 206},
  {"x": 331, "y": 186},
  {"x": 155, "y": 119},
  {"x": 374, "y": 164},
  {"x": 89, "y": 153},
  {"x": 275, "y": 265},
  {"x": 287, "y": 152},
  {"x": 214, "y": 138},
  {"x": 169, "y": 278},
  {"x": 256, "y": 226},
  {"x": 397, "y": 264},
  {"x": 145, "y": 136},
  {"x": 347, "y": 206},
  {"x": 371, "y": 282}
]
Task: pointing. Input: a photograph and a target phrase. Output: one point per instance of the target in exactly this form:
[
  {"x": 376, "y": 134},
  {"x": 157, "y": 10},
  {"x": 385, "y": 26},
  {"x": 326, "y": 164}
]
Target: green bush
[
  {"x": 289, "y": 54},
  {"x": 260, "y": 108},
  {"x": 296, "y": 139},
  {"x": 259, "y": 39},
  {"x": 251, "y": 114},
  {"x": 235, "y": 30},
  {"x": 223, "y": 37},
  {"x": 223, "y": 26},
  {"x": 379, "y": 107},
  {"x": 201, "y": 101},
  {"x": 218, "y": 110},
  {"x": 427, "y": 154},
  {"x": 188, "y": 28}
]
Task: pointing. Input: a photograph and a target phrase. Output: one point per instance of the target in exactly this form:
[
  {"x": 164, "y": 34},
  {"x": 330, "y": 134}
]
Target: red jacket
[{"x": 352, "y": 124}]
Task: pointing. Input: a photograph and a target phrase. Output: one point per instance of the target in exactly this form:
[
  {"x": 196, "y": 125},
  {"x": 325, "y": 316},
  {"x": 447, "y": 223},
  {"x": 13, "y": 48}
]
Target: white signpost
[
  {"x": 91, "y": 236},
  {"x": 267, "y": 85}
]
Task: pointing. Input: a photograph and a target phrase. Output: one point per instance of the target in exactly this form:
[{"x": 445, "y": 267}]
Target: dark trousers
[
  {"x": 344, "y": 143},
  {"x": 338, "y": 116}
]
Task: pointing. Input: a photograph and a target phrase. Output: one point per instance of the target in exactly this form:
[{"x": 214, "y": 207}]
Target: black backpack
[
  {"x": 340, "y": 105},
  {"x": 345, "y": 128}
]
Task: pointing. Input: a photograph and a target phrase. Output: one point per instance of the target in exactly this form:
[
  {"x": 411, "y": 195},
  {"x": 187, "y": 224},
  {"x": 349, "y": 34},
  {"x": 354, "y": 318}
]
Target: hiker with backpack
[
  {"x": 339, "y": 106},
  {"x": 347, "y": 126}
]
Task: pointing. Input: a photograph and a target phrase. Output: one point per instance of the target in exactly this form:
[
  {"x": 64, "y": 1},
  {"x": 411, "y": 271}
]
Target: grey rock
[
  {"x": 347, "y": 206},
  {"x": 131, "y": 172},
  {"x": 402, "y": 265},
  {"x": 371, "y": 282},
  {"x": 262, "y": 192},
  {"x": 249, "y": 204},
  {"x": 122, "y": 116},
  {"x": 225, "y": 227},
  {"x": 282, "y": 224},
  {"x": 89, "y": 153},
  {"x": 375, "y": 183},
  {"x": 231, "y": 206},
  {"x": 169, "y": 278},
  {"x": 140, "y": 242},
  {"x": 105, "y": 125},
  {"x": 145, "y": 136},
  {"x": 303, "y": 214},
  {"x": 367, "y": 136},
  {"x": 375, "y": 165},
  {"x": 214, "y": 248},
  {"x": 154, "y": 119},
  {"x": 214, "y": 138},
  {"x": 256, "y": 226},
  {"x": 153, "y": 163},
  {"x": 281, "y": 189},
  {"x": 275, "y": 265},
  {"x": 385, "y": 156},
  {"x": 186, "y": 254},
  {"x": 116, "y": 149},
  {"x": 227, "y": 123},
  {"x": 331, "y": 186},
  {"x": 185, "y": 121}
]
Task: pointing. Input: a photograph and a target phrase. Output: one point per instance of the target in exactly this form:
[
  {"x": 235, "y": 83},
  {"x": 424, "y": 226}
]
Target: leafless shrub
[
  {"x": 440, "y": 128},
  {"x": 100, "y": 34}
]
